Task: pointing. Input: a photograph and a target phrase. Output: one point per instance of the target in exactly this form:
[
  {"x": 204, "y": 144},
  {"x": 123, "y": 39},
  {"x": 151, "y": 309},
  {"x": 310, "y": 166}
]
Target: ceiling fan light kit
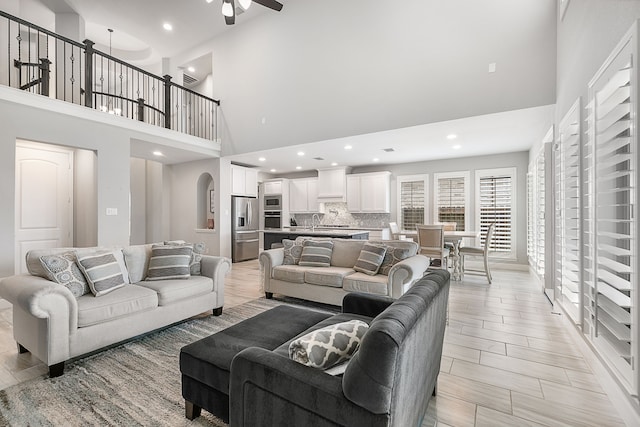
[{"x": 228, "y": 7}]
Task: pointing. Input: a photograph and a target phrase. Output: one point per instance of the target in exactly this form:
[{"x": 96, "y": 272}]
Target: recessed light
[
  {"x": 348, "y": 147},
  {"x": 191, "y": 70},
  {"x": 158, "y": 153},
  {"x": 261, "y": 159},
  {"x": 452, "y": 136},
  {"x": 272, "y": 170},
  {"x": 376, "y": 159},
  {"x": 457, "y": 147},
  {"x": 298, "y": 167},
  {"x": 334, "y": 164},
  {"x": 167, "y": 26},
  {"x": 209, "y": 1},
  {"x": 300, "y": 153}
]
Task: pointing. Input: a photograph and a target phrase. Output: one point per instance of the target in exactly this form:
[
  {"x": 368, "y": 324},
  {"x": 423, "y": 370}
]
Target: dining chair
[
  {"x": 395, "y": 230},
  {"x": 431, "y": 243},
  {"x": 479, "y": 252}
]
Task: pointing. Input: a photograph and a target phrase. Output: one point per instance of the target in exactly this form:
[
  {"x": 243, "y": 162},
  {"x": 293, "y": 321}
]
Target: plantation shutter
[
  {"x": 451, "y": 201},
  {"x": 495, "y": 206},
  {"x": 412, "y": 198},
  {"x": 612, "y": 291},
  {"x": 539, "y": 214}
]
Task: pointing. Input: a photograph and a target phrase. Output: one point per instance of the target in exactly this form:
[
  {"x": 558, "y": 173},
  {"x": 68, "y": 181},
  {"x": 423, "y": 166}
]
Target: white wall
[{"x": 316, "y": 74}]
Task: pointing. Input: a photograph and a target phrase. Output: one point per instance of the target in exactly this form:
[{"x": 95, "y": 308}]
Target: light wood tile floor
[{"x": 507, "y": 359}]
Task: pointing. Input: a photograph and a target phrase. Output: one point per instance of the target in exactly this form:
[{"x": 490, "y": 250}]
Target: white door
[{"x": 44, "y": 185}]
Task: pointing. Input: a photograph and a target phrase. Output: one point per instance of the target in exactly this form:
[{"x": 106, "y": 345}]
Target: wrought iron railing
[{"x": 45, "y": 63}]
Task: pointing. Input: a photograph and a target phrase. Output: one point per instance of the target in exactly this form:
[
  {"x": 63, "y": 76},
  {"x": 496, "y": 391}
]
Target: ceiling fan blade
[
  {"x": 230, "y": 20},
  {"x": 271, "y": 4}
]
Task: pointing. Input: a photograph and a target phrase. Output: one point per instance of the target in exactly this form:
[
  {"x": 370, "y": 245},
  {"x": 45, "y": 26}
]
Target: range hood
[{"x": 332, "y": 184}]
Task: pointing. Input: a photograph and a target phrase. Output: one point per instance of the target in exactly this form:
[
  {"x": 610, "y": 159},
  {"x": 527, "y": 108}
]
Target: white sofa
[
  {"x": 330, "y": 284},
  {"x": 55, "y": 326}
]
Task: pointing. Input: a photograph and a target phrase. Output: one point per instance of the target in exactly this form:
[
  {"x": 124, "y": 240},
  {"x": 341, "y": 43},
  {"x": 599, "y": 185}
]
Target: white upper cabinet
[
  {"x": 303, "y": 195},
  {"x": 332, "y": 185},
  {"x": 369, "y": 192},
  {"x": 244, "y": 181},
  {"x": 272, "y": 187}
]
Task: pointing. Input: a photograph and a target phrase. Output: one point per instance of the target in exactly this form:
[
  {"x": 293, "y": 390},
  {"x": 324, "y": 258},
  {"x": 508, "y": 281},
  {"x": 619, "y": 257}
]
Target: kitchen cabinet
[
  {"x": 369, "y": 192},
  {"x": 273, "y": 187},
  {"x": 332, "y": 185},
  {"x": 303, "y": 195},
  {"x": 244, "y": 181}
]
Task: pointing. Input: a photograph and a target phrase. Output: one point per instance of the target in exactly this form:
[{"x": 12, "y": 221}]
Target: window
[
  {"x": 495, "y": 201},
  {"x": 412, "y": 194},
  {"x": 452, "y": 198}
]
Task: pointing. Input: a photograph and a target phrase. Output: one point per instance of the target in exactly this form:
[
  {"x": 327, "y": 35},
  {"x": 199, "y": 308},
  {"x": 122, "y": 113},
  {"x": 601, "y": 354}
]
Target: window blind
[
  {"x": 412, "y": 204},
  {"x": 568, "y": 219},
  {"x": 610, "y": 293},
  {"x": 495, "y": 206},
  {"x": 451, "y": 201}
]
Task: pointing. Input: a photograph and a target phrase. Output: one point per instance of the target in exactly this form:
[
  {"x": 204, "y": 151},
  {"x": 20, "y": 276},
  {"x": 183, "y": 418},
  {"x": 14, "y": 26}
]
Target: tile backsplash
[{"x": 338, "y": 214}]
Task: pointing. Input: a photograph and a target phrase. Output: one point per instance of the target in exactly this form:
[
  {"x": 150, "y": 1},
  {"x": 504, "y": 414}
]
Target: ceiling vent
[
  {"x": 318, "y": 158},
  {"x": 188, "y": 80},
  {"x": 388, "y": 150}
]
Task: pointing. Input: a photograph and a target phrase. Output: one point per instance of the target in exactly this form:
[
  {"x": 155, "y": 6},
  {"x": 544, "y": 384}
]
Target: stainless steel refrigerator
[{"x": 244, "y": 234}]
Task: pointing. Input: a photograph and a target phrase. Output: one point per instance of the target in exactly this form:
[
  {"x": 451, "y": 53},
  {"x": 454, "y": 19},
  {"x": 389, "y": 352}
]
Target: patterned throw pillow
[
  {"x": 293, "y": 250},
  {"x": 169, "y": 262},
  {"x": 316, "y": 253},
  {"x": 102, "y": 270},
  {"x": 63, "y": 269},
  {"x": 392, "y": 257},
  {"x": 328, "y": 346},
  {"x": 370, "y": 259},
  {"x": 199, "y": 249}
]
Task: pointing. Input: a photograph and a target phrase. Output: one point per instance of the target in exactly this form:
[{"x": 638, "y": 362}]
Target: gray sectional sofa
[
  {"x": 330, "y": 284},
  {"x": 55, "y": 326}
]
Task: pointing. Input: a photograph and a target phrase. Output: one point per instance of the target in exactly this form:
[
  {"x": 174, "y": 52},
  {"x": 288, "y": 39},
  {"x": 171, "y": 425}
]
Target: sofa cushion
[
  {"x": 370, "y": 258},
  {"x": 64, "y": 270},
  {"x": 169, "y": 262},
  {"x": 102, "y": 270},
  {"x": 289, "y": 273},
  {"x": 120, "y": 303},
  {"x": 346, "y": 252},
  {"x": 316, "y": 253},
  {"x": 328, "y": 276},
  {"x": 170, "y": 291},
  {"x": 360, "y": 282},
  {"x": 393, "y": 256},
  {"x": 136, "y": 258},
  {"x": 328, "y": 346},
  {"x": 293, "y": 250}
]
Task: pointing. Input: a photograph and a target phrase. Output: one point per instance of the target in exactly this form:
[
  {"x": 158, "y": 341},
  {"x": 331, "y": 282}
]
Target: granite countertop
[
  {"x": 319, "y": 232},
  {"x": 328, "y": 227}
]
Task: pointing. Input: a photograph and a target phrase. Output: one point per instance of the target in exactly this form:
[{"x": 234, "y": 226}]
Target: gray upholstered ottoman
[{"x": 205, "y": 364}]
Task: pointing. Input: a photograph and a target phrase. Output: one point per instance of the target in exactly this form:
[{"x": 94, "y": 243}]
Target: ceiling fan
[{"x": 229, "y": 8}]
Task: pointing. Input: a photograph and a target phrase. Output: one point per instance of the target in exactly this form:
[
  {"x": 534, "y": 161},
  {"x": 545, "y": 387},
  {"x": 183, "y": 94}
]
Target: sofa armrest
[
  {"x": 266, "y": 389},
  {"x": 41, "y": 298},
  {"x": 269, "y": 259},
  {"x": 406, "y": 272},
  {"x": 216, "y": 268},
  {"x": 365, "y": 304}
]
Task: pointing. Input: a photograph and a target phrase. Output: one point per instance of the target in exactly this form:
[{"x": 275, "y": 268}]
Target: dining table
[{"x": 455, "y": 238}]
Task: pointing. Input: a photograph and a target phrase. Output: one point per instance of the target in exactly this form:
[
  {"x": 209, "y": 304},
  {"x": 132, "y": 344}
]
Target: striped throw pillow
[
  {"x": 169, "y": 262},
  {"x": 102, "y": 271},
  {"x": 316, "y": 253},
  {"x": 370, "y": 259}
]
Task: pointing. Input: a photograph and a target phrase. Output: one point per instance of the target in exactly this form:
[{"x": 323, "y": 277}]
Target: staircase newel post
[
  {"x": 88, "y": 73},
  {"x": 45, "y": 70},
  {"x": 167, "y": 101}
]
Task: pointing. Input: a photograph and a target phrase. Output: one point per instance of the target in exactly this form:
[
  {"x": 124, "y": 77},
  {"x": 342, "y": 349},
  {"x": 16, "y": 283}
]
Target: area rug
[{"x": 136, "y": 383}]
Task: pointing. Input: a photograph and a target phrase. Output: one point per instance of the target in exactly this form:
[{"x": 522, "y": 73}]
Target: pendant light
[
  {"x": 244, "y": 4},
  {"x": 227, "y": 9}
]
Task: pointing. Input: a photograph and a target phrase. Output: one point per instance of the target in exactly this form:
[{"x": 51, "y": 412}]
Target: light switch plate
[{"x": 112, "y": 211}]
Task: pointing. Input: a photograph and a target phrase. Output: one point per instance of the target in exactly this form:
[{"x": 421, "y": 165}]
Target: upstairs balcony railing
[{"x": 36, "y": 60}]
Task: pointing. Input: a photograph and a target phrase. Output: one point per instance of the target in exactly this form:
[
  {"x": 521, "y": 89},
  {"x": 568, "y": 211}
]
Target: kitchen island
[{"x": 276, "y": 236}]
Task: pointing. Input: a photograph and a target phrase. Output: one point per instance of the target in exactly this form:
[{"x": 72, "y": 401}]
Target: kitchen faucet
[{"x": 313, "y": 221}]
